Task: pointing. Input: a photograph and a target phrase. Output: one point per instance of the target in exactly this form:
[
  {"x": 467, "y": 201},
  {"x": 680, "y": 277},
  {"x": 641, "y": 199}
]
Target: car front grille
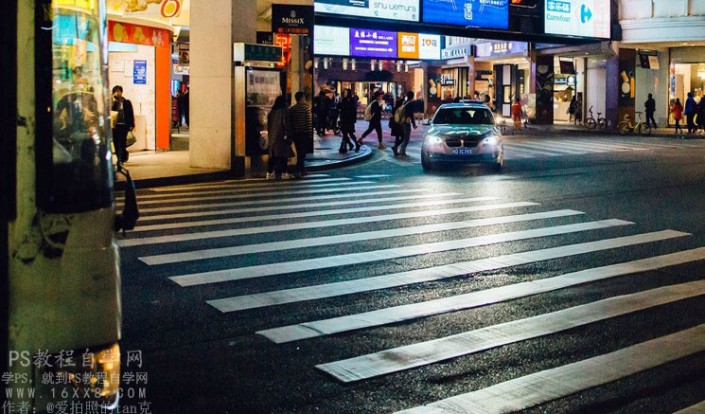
[{"x": 462, "y": 142}]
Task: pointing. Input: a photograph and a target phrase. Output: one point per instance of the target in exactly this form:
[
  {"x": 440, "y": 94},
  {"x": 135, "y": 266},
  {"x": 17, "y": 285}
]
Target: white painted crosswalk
[
  {"x": 538, "y": 147},
  {"x": 273, "y": 230}
]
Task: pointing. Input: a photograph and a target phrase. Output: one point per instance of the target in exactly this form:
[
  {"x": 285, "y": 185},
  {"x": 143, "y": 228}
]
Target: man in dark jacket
[
  {"x": 302, "y": 127},
  {"x": 650, "y": 108},
  {"x": 124, "y": 123},
  {"x": 407, "y": 123},
  {"x": 689, "y": 111}
]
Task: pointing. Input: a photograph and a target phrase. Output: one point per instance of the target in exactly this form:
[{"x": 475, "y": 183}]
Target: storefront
[
  {"x": 686, "y": 74},
  {"x": 509, "y": 65},
  {"x": 144, "y": 61}
]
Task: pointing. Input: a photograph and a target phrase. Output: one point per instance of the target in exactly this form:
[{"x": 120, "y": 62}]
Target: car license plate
[{"x": 462, "y": 151}]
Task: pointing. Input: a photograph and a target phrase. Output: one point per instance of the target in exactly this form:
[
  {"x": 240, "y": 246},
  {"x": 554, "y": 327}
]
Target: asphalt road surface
[{"x": 570, "y": 282}]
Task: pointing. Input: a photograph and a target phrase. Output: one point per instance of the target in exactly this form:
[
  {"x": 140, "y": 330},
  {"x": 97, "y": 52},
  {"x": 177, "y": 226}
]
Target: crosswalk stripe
[
  {"x": 585, "y": 148},
  {"x": 466, "y": 343},
  {"x": 555, "y": 146},
  {"x": 466, "y": 301},
  {"x": 545, "y": 150},
  {"x": 276, "y": 186},
  {"x": 693, "y": 409},
  {"x": 518, "y": 153},
  {"x": 544, "y": 386},
  {"x": 385, "y": 254},
  {"x": 348, "y": 238},
  {"x": 646, "y": 142},
  {"x": 248, "y": 182},
  {"x": 190, "y": 224},
  {"x": 413, "y": 311},
  {"x": 315, "y": 224},
  {"x": 262, "y": 209},
  {"x": 291, "y": 201},
  {"x": 230, "y": 195}
]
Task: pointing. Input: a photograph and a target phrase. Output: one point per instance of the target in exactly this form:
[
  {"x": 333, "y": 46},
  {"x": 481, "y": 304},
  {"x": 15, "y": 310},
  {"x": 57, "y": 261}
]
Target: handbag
[{"x": 131, "y": 139}]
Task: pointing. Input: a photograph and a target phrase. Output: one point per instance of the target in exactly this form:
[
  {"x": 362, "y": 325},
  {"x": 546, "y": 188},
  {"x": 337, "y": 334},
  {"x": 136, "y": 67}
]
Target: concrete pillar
[{"x": 215, "y": 26}]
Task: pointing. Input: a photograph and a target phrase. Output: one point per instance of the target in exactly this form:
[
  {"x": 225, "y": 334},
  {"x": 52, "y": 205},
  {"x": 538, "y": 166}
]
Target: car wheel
[{"x": 425, "y": 162}]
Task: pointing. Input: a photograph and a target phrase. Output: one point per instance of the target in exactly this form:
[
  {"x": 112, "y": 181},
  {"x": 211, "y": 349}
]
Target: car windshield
[{"x": 464, "y": 116}]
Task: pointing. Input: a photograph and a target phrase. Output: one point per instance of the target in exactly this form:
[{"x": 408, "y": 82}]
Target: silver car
[{"x": 462, "y": 133}]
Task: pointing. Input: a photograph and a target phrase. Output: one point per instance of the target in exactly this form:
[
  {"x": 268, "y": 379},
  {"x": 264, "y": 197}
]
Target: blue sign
[
  {"x": 139, "y": 72},
  {"x": 488, "y": 14}
]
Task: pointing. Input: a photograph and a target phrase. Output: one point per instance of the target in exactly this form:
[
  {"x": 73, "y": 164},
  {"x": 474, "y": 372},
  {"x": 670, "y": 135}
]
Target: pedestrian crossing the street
[
  {"x": 346, "y": 238},
  {"x": 535, "y": 147}
]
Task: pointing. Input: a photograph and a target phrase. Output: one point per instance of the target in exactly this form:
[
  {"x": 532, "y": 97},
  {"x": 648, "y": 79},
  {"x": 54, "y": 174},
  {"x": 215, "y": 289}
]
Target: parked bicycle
[
  {"x": 592, "y": 123},
  {"x": 640, "y": 127}
]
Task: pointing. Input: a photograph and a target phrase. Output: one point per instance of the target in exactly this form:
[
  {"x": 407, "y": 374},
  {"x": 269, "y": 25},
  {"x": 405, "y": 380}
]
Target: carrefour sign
[{"x": 584, "y": 18}]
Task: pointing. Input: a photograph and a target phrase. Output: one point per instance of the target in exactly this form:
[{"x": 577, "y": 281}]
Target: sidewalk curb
[{"x": 365, "y": 154}]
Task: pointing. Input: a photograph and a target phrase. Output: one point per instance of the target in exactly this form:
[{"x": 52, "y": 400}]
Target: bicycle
[
  {"x": 640, "y": 127},
  {"x": 592, "y": 123}
]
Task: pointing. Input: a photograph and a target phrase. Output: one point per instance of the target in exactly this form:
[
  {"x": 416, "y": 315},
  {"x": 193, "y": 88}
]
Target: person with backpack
[
  {"x": 348, "y": 116},
  {"x": 374, "y": 110},
  {"x": 397, "y": 129},
  {"x": 405, "y": 117}
]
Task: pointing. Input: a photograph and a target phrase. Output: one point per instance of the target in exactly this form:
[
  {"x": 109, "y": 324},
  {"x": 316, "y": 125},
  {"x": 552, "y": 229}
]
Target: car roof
[{"x": 464, "y": 105}]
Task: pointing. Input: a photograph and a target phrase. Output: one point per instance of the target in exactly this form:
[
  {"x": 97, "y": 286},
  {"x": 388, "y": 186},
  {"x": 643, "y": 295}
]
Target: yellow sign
[
  {"x": 147, "y": 8},
  {"x": 89, "y": 5}
]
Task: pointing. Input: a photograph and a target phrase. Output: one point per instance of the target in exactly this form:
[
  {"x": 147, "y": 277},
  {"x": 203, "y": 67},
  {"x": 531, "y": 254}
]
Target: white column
[{"x": 215, "y": 26}]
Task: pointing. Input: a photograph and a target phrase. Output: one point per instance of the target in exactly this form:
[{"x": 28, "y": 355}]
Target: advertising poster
[
  {"x": 584, "y": 18},
  {"x": 373, "y": 43},
  {"x": 139, "y": 72},
  {"x": 488, "y": 14},
  {"x": 408, "y": 45},
  {"x": 406, "y": 10},
  {"x": 329, "y": 40},
  {"x": 263, "y": 87},
  {"x": 429, "y": 47}
]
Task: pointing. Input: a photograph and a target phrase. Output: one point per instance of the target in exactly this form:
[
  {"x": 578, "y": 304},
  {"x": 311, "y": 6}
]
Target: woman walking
[
  {"x": 278, "y": 130},
  {"x": 348, "y": 116}
]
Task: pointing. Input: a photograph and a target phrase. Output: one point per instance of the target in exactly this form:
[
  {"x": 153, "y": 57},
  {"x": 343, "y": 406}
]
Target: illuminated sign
[
  {"x": 373, "y": 43},
  {"x": 584, "y": 18},
  {"x": 418, "y": 46},
  {"x": 497, "y": 49},
  {"x": 455, "y": 52},
  {"x": 488, "y": 14},
  {"x": 292, "y": 19},
  {"x": 406, "y": 10},
  {"x": 329, "y": 40}
]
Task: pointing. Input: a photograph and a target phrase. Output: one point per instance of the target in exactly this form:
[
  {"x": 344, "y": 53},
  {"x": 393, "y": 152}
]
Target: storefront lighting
[
  {"x": 701, "y": 71},
  {"x": 345, "y": 64},
  {"x": 352, "y": 64},
  {"x": 398, "y": 65},
  {"x": 315, "y": 63},
  {"x": 406, "y": 67},
  {"x": 372, "y": 64},
  {"x": 325, "y": 63}
]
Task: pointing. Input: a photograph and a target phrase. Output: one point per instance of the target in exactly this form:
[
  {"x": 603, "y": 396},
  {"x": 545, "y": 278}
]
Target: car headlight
[
  {"x": 491, "y": 140},
  {"x": 433, "y": 140}
]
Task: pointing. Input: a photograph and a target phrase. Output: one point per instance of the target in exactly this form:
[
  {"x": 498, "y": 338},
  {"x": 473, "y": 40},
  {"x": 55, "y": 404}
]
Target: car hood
[{"x": 455, "y": 130}]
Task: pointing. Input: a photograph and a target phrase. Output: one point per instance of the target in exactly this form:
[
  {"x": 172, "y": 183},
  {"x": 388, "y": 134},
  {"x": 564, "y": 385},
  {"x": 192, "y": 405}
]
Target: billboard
[
  {"x": 419, "y": 46},
  {"x": 329, "y": 40},
  {"x": 406, "y": 10},
  {"x": 584, "y": 18},
  {"x": 373, "y": 43},
  {"x": 487, "y": 14}
]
